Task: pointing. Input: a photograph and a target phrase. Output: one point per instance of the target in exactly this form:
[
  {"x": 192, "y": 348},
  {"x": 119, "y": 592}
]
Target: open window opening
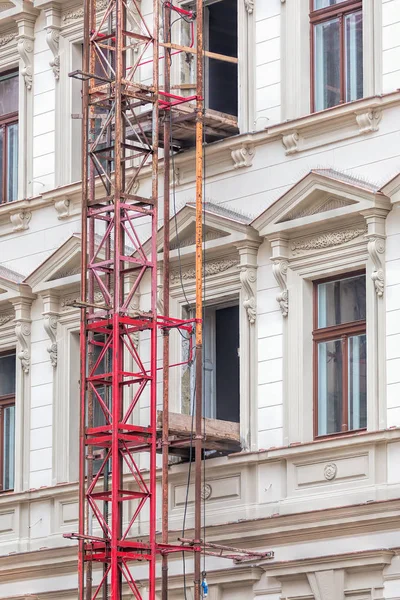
[{"x": 221, "y": 37}]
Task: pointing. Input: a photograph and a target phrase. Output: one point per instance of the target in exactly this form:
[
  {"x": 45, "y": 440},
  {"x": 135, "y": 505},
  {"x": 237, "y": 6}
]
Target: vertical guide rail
[
  {"x": 199, "y": 295},
  {"x": 165, "y": 288}
]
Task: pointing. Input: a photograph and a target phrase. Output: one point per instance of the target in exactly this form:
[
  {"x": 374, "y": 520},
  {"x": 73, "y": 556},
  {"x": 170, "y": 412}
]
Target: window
[
  {"x": 8, "y": 137},
  {"x": 7, "y": 420},
  {"x": 337, "y": 52},
  {"x": 221, "y": 37},
  {"x": 221, "y": 363},
  {"x": 104, "y": 391},
  {"x": 340, "y": 368}
]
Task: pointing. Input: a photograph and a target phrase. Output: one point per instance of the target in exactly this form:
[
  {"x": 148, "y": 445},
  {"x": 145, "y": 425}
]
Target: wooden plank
[
  {"x": 189, "y": 50},
  {"x": 215, "y": 430}
]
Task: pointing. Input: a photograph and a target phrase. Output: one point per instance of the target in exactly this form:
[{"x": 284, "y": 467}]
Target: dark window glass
[
  {"x": 327, "y": 64},
  {"x": 9, "y": 137},
  {"x": 318, "y": 4}
]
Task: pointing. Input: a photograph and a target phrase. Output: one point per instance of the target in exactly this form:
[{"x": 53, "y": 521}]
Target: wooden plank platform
[
  {"x": 217, "y": 126},
  {"x": 219, "y": 435}
]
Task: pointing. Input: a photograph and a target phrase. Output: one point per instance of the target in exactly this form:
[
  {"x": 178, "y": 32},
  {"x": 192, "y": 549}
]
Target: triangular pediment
[
  {"x": 221, "y": 227},
  {"x": 63, "y": 264},
  {"x": 12, "y": 285},
  {"x": 323, "y": 195}
]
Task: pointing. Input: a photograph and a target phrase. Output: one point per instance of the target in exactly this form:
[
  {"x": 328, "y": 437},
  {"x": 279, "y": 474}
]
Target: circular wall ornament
[
  {"x": 330, "y": 471},
  {"x": 206, "y": 491}
]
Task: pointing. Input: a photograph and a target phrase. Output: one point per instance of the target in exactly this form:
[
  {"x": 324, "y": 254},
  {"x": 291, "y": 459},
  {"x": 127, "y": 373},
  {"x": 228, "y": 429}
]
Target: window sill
[{"x": 334, "y": 124}]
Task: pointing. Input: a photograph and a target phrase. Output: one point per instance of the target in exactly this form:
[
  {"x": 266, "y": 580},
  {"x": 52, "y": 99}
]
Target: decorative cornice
[
  {"x": 210, "y": 268},
  {"x": 279, "y": 269},
  {"x": 325, "y": 240},
  {"x": 248, "y": 278},
  {"x": 376, "y": 250},
  {"x": 20, "y": 220},
  {"x": 53, "y": 40},
  {"x": 25, "y": 51},
  {"x": 243, "y": 156},
  {"x": 23, "y": 333},
  {"x": 77, "y": 13},
  {"x": 50, "y": 324}
]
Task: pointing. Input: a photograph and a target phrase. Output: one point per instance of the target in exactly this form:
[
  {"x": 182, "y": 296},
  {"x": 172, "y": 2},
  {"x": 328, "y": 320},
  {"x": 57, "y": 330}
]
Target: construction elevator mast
[
  {"x": 126, "y": 118},
  {"x": 121, "y": 137}
]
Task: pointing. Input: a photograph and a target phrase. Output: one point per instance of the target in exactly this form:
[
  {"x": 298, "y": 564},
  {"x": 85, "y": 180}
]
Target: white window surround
[
  {"x": 230, "y": 274},
  {"x": 327, "y": 224},
  {"x": 296, "y": 54},
  {"x": 15, "y": 332}
]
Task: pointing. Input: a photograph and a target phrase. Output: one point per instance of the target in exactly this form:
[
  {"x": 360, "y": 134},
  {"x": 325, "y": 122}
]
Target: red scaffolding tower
[{"x": 123, "y": 109}]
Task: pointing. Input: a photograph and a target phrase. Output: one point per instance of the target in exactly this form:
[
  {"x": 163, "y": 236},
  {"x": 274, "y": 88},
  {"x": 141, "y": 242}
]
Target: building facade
[{"x": 302, "y": 295}]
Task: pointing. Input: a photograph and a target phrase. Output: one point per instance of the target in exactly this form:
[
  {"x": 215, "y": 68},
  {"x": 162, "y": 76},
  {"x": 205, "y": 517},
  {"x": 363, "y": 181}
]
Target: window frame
[
  {"x": 5, "y": 401},
  {"x": 5, "y": 121},
  {"x": 317, "y": 16},
  {"x": 325, "y": 334}
]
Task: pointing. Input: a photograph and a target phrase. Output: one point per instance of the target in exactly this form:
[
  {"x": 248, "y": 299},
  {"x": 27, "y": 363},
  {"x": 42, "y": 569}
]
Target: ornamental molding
[
  {"x": 25, "y": 51},
  {"x": 325, "y": 240},
  {"x": 290, "y": 142},
  {"x": 6, "y": 318},
  {"x": 210, "y": 268},
  {"x": 6, "y": 39},
  {"x": 190, "y": 239},
  {"x": 376, "y": 251},
  {"x": 243, "y": 156},
  {"x": 249, "y": 5},
  {"x": 369, "y": 121},
  {"x": 68, "y": 302},
  {"x": 23, "y": 333},
  {"x": 50, "y": 326},
  {"x": 248, "y": 278},
  {"x": 279, "y": 269},
  {"x": 330, "y": 471},
  {"x": 77, "y": 13},
  {"x": 206, "y": 492},
  {"x": 62, "y": 207},
  {"x": 53, "y": 42},
  {"x": 20, "y": 220}
]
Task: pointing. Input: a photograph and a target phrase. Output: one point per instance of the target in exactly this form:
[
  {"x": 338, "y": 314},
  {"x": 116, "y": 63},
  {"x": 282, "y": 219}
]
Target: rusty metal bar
[{"x": 198, "y": 442}]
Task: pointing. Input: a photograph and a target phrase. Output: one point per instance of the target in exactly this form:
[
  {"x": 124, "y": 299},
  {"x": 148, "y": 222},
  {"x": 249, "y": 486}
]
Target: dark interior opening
[
  {"x": 223, "y": 39},
  {"x": 227, "y": 363}
]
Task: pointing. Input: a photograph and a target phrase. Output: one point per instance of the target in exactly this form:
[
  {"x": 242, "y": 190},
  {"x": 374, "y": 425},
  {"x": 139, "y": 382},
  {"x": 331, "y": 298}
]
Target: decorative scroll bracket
[
  {"x": 376, "y": 250},
  {"x": 50, "y": 325},
  {"x": 249, "y": 5},
  {"x": 25, "y": 51},
  {"x": 279, "y": 269},
  {"x": 248, "y": 278},
  {"x": 53, "y": 41},
  {"x": 23, "y": 333}
]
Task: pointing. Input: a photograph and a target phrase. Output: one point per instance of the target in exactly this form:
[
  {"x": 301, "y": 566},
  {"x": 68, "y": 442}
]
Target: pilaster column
[
  {"x": 248, "y": 344},
  {"x": 25, "y": 46},
  {"x": 376, "y": 318},
  {"x": 22, "y": 308}
]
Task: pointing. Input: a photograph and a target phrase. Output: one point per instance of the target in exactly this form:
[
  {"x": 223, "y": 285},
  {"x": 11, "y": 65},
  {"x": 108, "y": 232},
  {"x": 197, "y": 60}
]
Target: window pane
[
  {"x": 12, "y": 162},
  {"x": 341, "y": 301},
  {"x": 326, "y": 3},
  {"x": 358, "y": 382},
  {"x": 354, "y": 56},
  {"x": 9, "y": 94},
  {"x": 8, "y": 448},
  {"x": 330, "y": 368},
  {"x": 7, "y": 375},
  {"x": 327, "y": 64}
]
